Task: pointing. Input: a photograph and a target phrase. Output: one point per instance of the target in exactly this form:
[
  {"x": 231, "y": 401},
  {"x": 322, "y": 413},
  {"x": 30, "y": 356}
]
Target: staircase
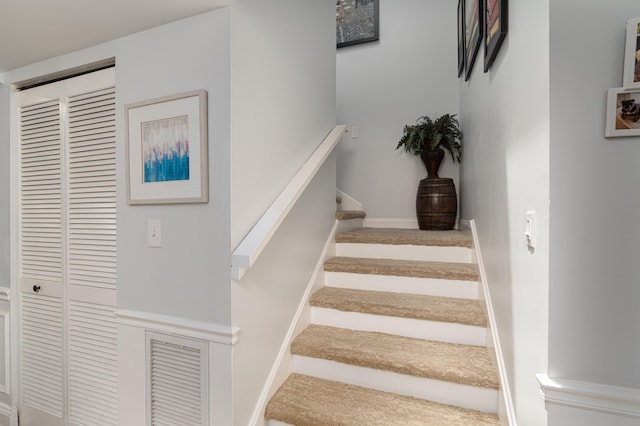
[{"x": 397, "y": 336}]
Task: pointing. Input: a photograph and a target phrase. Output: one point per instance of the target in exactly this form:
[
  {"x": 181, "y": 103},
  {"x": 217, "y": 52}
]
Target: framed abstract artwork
[
  {"x": 166, "y": 149},
  {"x": 495, "y": 29}
]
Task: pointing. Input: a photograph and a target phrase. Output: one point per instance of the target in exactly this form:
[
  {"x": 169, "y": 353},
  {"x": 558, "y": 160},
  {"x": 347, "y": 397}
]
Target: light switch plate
[{"x": 154, "y": 233}]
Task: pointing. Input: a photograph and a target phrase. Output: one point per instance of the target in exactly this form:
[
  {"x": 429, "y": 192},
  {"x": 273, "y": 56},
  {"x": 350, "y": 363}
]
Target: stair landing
[{"x": 416, "y": 237}]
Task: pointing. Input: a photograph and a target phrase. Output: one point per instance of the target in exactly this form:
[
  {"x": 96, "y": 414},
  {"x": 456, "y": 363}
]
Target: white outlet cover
[{"x": 530, "y": 229}]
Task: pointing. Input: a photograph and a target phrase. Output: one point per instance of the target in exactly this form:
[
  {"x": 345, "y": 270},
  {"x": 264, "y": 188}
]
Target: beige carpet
[
  {"x": 350, "y": 214},
  {"x": 404, "y": 268},
  {"x": 463, "y": 364},
  {"x": 431, "y": 308},
  {"x": 309, "y": 401},
  {"x": 406, "y": 236}
]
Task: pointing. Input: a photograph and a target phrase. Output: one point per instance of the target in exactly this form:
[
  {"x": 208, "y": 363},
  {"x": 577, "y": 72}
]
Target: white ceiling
[{"x": 34, "y": 30}]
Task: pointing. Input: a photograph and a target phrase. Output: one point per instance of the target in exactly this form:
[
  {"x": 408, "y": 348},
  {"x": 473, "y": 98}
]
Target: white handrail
[{"x": 245, "y": 255}]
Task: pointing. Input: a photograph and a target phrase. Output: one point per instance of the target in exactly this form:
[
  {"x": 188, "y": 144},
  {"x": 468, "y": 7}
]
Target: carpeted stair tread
[
  {"x": 462, "y": 364},
  {"x": 416, "y": 237},
  {"x": 350, "y": 214},
  {"x": 405, "y": 268},
  {"x": 431, "y": 308},
  {"x": 310, "y": 401}
]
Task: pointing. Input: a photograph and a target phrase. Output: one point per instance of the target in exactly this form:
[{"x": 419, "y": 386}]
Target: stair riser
[
  {"x": 408, "y": 327},
  {"x": 465, "y": 396},
  {"x": 411, "y": 285},
  {"x": 348, "y": 225},
  {"x": 405, "y": 252}
]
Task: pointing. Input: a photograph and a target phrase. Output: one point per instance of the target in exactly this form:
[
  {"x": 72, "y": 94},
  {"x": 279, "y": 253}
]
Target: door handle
[{"x": 36, "y": 288}]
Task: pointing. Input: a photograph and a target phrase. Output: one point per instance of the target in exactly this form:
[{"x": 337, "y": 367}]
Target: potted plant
[
  {"x": 428, "y": 139},
  {"x": 436, "y": 201}
]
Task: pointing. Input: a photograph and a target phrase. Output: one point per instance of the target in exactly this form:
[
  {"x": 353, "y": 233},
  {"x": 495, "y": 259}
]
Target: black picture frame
[
  {"x": 495, "y": 29},
  {"x": 357, "y": 22},
  {"x": 460, "y": 37},
  {"x": 473, "y": 12}
]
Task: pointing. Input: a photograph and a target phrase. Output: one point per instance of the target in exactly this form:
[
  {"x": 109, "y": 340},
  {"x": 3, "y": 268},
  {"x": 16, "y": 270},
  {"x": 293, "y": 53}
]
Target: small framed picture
[
  {"x": 623, "y": 112},
  {"x": 460, "y": 37},
  {"x": 473, "y": 11},
  {"x": 496, "y": 20},
  {"x": 357, "y": 21},
  {"x": 166, "y": 149},
  {"x": 631, "y": 74}
]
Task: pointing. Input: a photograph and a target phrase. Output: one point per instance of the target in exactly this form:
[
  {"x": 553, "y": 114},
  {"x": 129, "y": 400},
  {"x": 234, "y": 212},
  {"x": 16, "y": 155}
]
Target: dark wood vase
[
  {"x": 437, "y": 201},
  {"x": 432, "y": 159}
]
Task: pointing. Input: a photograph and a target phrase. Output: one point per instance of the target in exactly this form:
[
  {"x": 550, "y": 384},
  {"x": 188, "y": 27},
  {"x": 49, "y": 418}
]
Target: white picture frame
[
  {"x": 166, "y": 149},
  {"x": 623, "y": 112},
  {"x": 631, "y": 72}
]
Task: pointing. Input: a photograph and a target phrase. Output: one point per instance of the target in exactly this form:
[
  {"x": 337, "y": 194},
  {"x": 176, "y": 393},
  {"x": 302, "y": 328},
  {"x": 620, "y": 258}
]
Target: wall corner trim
[
  {"x": 212, "y": 332},
  {"x": 608, "y": 399}
]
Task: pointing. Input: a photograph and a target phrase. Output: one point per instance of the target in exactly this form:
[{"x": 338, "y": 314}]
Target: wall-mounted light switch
[
  {"x": 355, "y": 132},
  {"x": 154, "y": 233},
  {"x": 530, "y": 229}
]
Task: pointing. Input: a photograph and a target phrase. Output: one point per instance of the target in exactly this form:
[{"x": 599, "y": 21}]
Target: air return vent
[{"x": 177, "y": 381}]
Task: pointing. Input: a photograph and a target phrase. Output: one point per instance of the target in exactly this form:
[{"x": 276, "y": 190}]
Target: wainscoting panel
[
  {"x": 173, "y": 370},
  {"x": 589, "y": 404}
]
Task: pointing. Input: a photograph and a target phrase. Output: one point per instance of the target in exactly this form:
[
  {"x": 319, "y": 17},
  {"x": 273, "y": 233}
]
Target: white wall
[
  {"x": 267, "y": 298},
  {"x": 386, "y": 84},
  {"x": 283, "y": 106},
  {"x": 283, "y": 88},
  {"x": 4, "y": 185},
  {"x": 595, "y": 202},
  {"x": 505, "y": 172},
  {"x": 188, "y": 276},
  {"x": 560, "y": 415}
]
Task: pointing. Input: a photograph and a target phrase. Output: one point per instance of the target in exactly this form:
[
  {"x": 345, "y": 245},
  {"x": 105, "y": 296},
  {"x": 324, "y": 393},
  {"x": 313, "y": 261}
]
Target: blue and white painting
[{"x": 165, "y": 149}]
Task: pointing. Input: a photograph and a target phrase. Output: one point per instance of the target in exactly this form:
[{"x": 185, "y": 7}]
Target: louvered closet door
[
  {"x": 41, "y": 256},
  {"x": 69, "y": 321},
  {"x": 92, "y": 355}
]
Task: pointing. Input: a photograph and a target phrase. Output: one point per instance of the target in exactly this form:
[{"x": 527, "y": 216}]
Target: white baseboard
[
  {"x": 493, "y": 341},
  {"x": 391, "y": 223},
  {"x": 282, "y": 366},
  {"x": 348, "y": 202},
  {"x": 585, "y": 396}
]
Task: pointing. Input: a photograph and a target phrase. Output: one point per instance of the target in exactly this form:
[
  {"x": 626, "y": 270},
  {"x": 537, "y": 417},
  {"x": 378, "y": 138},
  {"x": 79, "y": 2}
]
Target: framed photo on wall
[
  {"x": 631, "y": 74},
  {"x": 166, "y": 150},
  {"x": 357, "y": 21},
  {"x": 495, "y": 29},
  {"x": 473, "y": 11},
  {"x": 460, "y": 37},
  {"x": 623, "y": 112}
]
